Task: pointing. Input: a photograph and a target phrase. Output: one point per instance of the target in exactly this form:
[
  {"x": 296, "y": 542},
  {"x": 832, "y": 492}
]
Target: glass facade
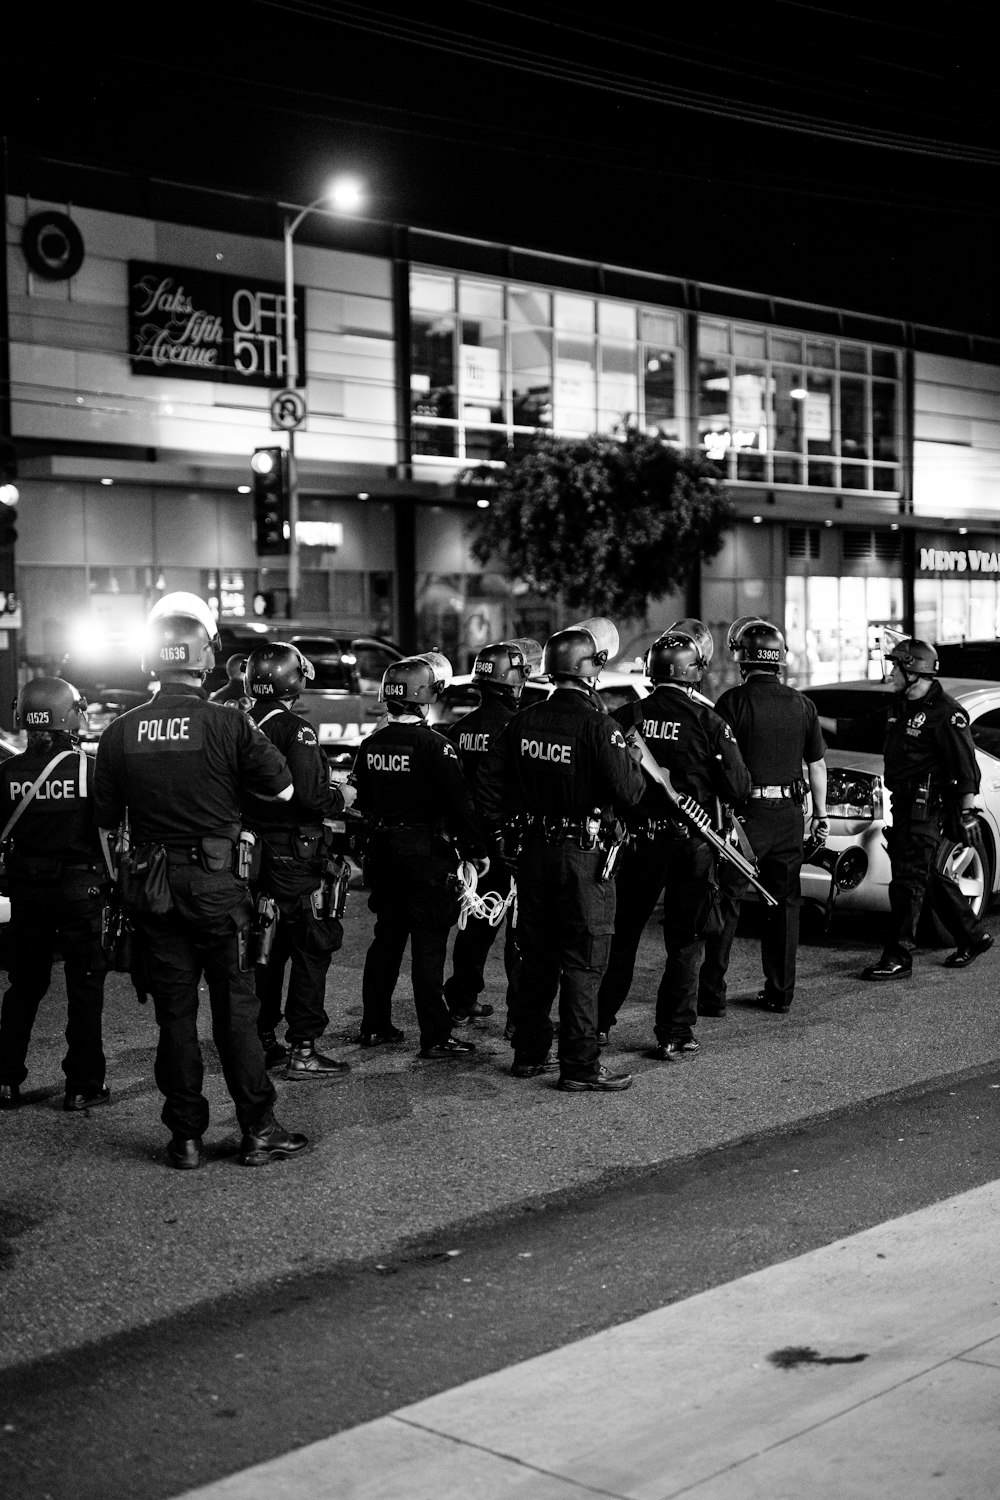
[
  {"x": 492, "y": 363},
  {"x": 831, "y": 626},
  {"x": 784, "y": 408}
]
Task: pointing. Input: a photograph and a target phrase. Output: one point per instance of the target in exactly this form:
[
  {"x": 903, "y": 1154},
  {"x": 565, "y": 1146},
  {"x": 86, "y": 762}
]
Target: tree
[{"x": 605, "y": 522}]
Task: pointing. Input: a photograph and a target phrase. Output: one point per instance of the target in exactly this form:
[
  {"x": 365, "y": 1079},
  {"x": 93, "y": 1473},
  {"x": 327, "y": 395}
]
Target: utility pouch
[
  {"x": 920, "y": 807},
  {"x": 306, "y": 842},
  {"x": 144, "y": 880},
  {"x": 215, "y": 854},
  {"x": 3, "y": 867}
]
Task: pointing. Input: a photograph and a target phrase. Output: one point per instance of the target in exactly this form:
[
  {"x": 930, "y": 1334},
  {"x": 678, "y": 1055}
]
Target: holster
[{"x": 144, "y": 883}]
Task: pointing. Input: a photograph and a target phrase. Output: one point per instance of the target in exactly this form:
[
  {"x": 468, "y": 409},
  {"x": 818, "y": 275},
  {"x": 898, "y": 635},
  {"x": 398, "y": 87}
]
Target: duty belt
[
  {"x": 561, "y": 830},
  {"x": 775, "y": 793},
  {"x": 652, "y": 826}
]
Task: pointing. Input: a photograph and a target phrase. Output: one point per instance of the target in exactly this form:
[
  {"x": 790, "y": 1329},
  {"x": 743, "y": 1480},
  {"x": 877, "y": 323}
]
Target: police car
[{"x": 860, "y": 807}]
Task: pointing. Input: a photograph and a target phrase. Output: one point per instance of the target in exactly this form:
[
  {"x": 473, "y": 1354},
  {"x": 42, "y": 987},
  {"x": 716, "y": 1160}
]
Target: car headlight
[{"x": 853, "y": 794}]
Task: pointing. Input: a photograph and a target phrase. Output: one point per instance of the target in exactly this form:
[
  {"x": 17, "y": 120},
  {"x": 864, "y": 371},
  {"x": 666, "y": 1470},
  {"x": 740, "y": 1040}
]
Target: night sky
[{"x": 804, "y": 150}]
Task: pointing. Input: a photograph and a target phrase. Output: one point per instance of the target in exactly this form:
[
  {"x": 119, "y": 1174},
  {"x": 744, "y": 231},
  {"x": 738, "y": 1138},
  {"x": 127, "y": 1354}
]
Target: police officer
[
  {"x": 563, "y": 769},
  {"x": 56, "y": 878},
  {"x": 175, "y": 767},
  {"x": 665, "y": 854},
  {"x": 712, "y": 988},
  {"x": 932, "y": 773},
  {"x": 422, "y": 819},
  {"x": 777, "y": 729},
  {"x": 499, "y": 672},
  {"x": 290, "y": 836},
  {"x": 234, "y": 688}
]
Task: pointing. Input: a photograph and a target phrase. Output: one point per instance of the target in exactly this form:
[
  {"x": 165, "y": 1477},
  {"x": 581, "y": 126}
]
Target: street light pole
[
  {"x": 291, "y": 382},
  {"x": 343, "y": 195}
]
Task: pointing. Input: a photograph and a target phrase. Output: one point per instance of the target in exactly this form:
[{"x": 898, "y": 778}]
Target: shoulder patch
[
  {"x": 960, "y": 720},
  {"x": 449, "y": 749},
  {"x": 727, "y": 733},
  {"x": 617, "y": 738},
  {"x": 306, "y": 736}
]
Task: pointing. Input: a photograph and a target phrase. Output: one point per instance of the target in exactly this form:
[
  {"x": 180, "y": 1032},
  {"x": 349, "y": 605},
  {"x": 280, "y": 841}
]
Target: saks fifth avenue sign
[
  {"x": 197, "y": 325},
  {"x": 962, "y": 560}
]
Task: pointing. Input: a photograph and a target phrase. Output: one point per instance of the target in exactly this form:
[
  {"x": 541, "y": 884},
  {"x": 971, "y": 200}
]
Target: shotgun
[{"x": 696, "y": 815}]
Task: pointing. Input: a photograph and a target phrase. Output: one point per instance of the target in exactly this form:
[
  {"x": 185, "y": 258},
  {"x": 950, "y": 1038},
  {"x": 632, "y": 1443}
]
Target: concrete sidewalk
[{"x": 869, "y": 1368}]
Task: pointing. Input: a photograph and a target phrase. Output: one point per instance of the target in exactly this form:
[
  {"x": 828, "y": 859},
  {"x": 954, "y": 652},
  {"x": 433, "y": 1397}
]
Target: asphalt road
[{"x": 160, "y": 1329}]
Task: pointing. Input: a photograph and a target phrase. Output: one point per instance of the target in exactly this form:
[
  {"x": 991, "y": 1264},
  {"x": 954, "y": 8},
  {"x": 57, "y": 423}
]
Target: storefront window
[
  {"x": 531, "y": 377},
  {"x": 514, "y": 359},
  {"x": 659, "y": 393},
  {"x": 575, "y": 385},
  {"x": 814, "y": 399},
  {"x": 618, "y": 389},
  {"x": 831, "y": 625}
]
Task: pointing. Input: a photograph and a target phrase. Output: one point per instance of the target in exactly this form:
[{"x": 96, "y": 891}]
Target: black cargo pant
[
  {"x": 915, "y": 849},
  {"x": 412, "y": 895},
  {"x": 67, "y": 909},
  {"x": 683, "y": 868},
  {"x": 775, "y": 831},
  {"x": 473, "y": 943},
  {"x": 303, "y": 942},
  {"x": 199, "y": 936},
  {"x": 566, "y": 916}
]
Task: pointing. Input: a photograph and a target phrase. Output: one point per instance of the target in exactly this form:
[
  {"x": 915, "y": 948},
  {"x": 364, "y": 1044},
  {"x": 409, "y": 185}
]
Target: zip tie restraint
[{"x": 490, "y": 908}]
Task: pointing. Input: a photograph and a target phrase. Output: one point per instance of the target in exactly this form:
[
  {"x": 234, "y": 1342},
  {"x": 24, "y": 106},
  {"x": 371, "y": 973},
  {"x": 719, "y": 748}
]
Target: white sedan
[{"x": 860, "y": 807}]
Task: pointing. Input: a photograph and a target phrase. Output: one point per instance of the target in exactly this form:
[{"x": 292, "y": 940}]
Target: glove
[
  {"x": 349, "y": 793},
  {"x": 634, "y": 749},
  {"x": 969, "y": 827},
  {"x": 819, "y": 828},
  {"x": 481, "y": 866}
]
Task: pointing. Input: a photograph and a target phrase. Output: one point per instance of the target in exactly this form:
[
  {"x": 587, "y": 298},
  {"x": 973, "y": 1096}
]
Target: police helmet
[
  {"x": 506, "y": 664},
  {"x": 760, "y": 645},
  {"x": 411, "y": 682},
  {"x": 699, "y": 633},
  {"x": 573, "y": 653},
  {"x": 177, "y": 643},
  {"x": 914, "y": 658},
  {"x": 50, "y": 703},
  {"x": 276, "y": 670},
  {"x": 182, "y": 603},
  {"x": 675, "y": 657},
  {"x": 737, "y": 628}
]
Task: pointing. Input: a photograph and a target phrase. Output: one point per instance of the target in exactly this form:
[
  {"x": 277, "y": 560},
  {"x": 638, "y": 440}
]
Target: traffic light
[
  {"x": 270, "y": 501},
  {"x": 8, "y": 493}
]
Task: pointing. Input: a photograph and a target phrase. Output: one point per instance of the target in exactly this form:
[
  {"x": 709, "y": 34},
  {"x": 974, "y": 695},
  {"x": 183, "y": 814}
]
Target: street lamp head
[{"x": 345, "y": 195}]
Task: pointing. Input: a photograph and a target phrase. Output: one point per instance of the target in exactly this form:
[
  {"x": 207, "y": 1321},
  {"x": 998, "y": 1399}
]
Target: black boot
[
  {"x": 275, "y": 1052},
  {"x": 304, "y": 1062}
]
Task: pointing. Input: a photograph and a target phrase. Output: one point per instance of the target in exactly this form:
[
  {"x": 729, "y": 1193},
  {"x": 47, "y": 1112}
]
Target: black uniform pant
[
  {"x": 199, "y": 937},
  {"x": 303, "y": 943},
  {"x": 409, "y": 873},
  {"x": 566, "y": 917},
  {"x": 684, "y": 870},
  {"x": 719, "y": 938},
  {"x": 473, "y": 943},
  {"x": 40, "y": 913},
  {"x": 914, "y": 850},
  {"x": 775, "y": 831}
]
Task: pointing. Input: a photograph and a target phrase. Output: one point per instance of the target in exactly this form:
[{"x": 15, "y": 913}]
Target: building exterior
[{"x": 146, "y": 345}]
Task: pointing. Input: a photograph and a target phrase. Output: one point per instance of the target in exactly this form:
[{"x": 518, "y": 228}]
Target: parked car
[{"x": 860, "y": 806}]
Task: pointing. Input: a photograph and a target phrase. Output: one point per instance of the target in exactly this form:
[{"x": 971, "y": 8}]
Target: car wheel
[{"x": 973, "y": 869}]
